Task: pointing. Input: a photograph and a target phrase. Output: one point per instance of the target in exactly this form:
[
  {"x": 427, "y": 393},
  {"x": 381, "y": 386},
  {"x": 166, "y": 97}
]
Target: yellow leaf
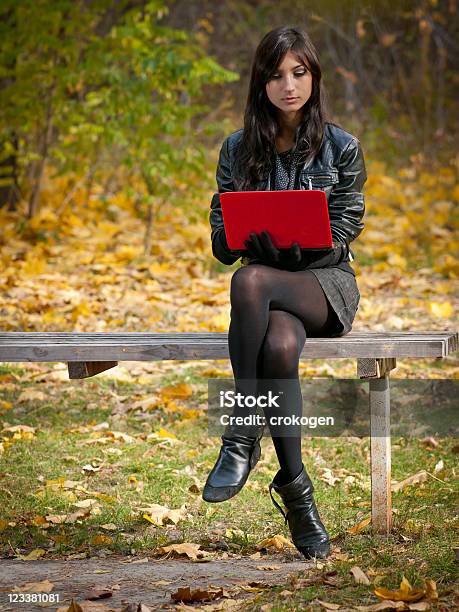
[
  {"x": 431, "y": 589},
  {"x": 279, "y": 542},
  {"x": 74, "y": 607},
  {"x": 32, "y": 556},
  {"x": 441, "y": 310},
  {"x": 82, "y": 309},
  {"x": 101, "y": 539},
  {"x": 405, "y": 592},
  {"x": 179, "y": 391},
  {"x": 162, "y": 433},
  {"x": 33, "y": 267}
]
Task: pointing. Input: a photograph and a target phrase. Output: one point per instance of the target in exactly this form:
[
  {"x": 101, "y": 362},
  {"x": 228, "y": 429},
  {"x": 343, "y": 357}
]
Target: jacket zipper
[{"x": 315, "y": 176}]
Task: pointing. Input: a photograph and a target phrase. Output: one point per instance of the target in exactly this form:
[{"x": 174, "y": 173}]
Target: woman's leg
[
  {"x": 271, "y": 313},
  {"x": 281, "y": 349}
]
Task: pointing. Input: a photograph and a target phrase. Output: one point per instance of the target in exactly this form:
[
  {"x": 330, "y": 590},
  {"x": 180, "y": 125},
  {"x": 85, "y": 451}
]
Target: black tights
[{"x": 271, "y": 312}]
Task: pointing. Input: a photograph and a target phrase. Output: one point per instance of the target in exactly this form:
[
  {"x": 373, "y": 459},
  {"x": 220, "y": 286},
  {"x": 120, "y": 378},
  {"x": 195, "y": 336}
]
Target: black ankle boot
[
  {"x": 238, "y": 456},
  {"x": 308, "y": 532}
]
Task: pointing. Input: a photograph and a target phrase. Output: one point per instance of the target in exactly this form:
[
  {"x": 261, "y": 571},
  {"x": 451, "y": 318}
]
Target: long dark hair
[{"x": 256, "y": 148}]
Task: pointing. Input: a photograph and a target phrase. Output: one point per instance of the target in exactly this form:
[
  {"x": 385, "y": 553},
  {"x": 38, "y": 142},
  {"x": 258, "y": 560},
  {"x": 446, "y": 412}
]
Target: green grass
[{"x": 421, "y": 544}]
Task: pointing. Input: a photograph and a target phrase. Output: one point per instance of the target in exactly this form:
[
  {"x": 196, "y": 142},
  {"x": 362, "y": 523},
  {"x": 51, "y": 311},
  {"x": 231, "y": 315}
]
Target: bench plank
[{"x": 140, "y": 346}]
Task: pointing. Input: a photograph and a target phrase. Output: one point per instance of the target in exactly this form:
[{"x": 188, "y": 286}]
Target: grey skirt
[{"x": 342, "y": 292}]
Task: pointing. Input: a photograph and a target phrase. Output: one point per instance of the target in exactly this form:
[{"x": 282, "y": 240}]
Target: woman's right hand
[{"x": 262, "y": 248}]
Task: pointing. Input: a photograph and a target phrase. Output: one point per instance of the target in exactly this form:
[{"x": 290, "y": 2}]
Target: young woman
[{"x": 280, "y": 296}]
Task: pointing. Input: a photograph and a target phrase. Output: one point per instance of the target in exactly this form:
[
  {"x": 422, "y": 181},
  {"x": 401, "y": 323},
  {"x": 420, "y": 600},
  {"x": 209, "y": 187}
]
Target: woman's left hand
[{"x": 262, "y": 247}]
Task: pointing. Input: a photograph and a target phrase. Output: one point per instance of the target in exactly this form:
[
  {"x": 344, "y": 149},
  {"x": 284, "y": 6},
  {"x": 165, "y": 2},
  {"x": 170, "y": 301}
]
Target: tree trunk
[
  {"x": 39, "y": 165},
  {"x": 10, "y": 193}
]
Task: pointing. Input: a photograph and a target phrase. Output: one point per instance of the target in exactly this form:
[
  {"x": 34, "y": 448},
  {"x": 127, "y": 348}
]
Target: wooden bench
[{"x": 88, "y": 354}]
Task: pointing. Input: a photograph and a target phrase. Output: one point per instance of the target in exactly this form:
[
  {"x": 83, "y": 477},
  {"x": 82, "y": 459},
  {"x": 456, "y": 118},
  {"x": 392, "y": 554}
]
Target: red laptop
[{"x": 289, "y": 216}]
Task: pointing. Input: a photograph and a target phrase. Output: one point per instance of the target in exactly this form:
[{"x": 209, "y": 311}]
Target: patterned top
[{"x": 285, "y": 165}]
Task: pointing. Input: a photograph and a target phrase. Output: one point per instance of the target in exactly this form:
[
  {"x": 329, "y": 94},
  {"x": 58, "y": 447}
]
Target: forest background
[{"x": 112, "y": 115}]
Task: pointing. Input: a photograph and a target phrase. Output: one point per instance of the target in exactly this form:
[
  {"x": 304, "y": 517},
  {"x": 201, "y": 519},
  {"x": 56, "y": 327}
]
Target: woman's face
[{"x": 292, "y": 79}]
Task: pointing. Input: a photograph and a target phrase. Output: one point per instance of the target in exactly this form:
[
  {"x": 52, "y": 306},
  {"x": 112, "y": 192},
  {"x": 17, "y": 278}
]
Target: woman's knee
[
  {"x": 281, "y": 352},
  {"x": 248, "y": 280}
]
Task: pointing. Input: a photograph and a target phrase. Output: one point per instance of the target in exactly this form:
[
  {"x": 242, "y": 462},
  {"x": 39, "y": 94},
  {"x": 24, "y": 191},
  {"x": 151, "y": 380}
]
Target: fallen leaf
[
  {"x": 429, "y": 442},
  {"x": 405, "y": 593},
  {"x": 279, "y": 542},
  {"x": 74, "y": 607},
  {"x": 32, "y": 556},
  {"x": 36, "y": 587},
  {"x": 19, "y": 428},
  {"x": 157, "y": 514},
  {"x": 178, "y": 391},
  {"x": 383, "y": 605},
  {"x": 186, "y": 594},
  {"x": 439, "y": 466},
  {"x": 431, "y": 589},
  {"x": 186, "y": 549},
  {"x": 417, "y": 478},
  {"x": 91, "y": 468},
  {"x": 86, "y": 503},
  {"x": 101, "y": 539},
  {"x": 327, "y": 605},
  {"x": 119, "y": 435},
  {"x": 86, "y": 606},
  {"x": 359, "y": 575},
  {"x": 360, "y": 526},
  {"x": 109, "y": 526},
  {"x": 71, "y": 518},
  {"x": 99, "y": 594},
  {"x": 30, "y": 395},
  {"x": 328, "y": 477},
  {"x": 441, "y": 310}
]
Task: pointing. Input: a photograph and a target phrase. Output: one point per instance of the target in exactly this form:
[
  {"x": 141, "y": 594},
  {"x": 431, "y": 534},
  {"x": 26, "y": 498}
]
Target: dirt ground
[{"x": 150, "y": 582}]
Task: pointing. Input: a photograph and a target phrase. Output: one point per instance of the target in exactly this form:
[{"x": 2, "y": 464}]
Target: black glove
[
  {"x": 262, "y": 248},
  {"x": 296, "y": 258}
]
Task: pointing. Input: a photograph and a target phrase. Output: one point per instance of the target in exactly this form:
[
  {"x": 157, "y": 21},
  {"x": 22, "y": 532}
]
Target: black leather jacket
[{"x": 338, "y": 169}]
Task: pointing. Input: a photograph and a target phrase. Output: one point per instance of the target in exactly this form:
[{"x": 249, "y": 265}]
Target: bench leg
[
  {"x": 85, "y": 369},
  {"x": 381, "y": 500},
  {"x": 377, "y": 370}
]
